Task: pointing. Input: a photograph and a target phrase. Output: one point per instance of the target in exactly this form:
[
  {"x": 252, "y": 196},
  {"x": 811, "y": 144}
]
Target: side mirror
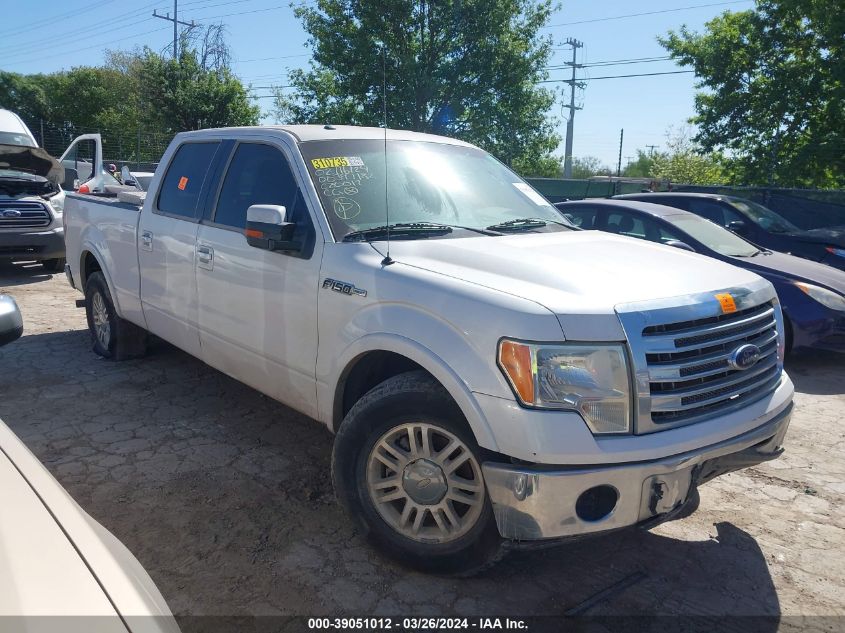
[
  {"x": 71, "y": 181},
  {"x": 679, "y": 244},
  {"x": 267, "y": 227},
  {"x": 737, "y": 226},
  {"x": 11, "y": 322}
]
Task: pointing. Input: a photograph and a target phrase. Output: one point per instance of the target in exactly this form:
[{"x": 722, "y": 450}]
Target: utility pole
[
  {"x": 619, "y": 162},
  {"x": 651, "y": 149},
  {"x": 570, "y": 124},
  {"x": 176, "y": 22}
]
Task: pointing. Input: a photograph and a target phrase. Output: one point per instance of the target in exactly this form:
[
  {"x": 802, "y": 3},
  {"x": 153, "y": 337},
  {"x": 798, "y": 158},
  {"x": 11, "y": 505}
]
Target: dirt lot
[{"x": 224, "y": 496}]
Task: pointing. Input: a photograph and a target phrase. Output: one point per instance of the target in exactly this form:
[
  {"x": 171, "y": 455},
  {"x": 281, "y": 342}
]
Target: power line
[
  {"x": 39, "y": 24},
  {"x": 670, "y": 72},
  {"x": 620, "y": 62},
  {"x": 36, "y": 59},
  {"x": 130, "y": 18},
  {"x": 636, "y": 15}
]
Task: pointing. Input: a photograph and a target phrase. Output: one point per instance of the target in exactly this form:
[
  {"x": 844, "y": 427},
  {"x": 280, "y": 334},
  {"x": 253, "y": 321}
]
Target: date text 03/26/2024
[{"x": 417, "y": 624}]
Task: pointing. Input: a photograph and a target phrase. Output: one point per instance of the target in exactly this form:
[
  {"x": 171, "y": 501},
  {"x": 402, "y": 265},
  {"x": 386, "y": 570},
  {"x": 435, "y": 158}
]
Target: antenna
[{"x": 387, "y": 260}]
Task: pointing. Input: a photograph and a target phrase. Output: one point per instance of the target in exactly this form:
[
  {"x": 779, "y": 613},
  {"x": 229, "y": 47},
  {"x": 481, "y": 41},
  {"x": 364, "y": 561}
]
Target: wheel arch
[
  {"x": 91, "y": 261},
  {"x": 377, "y": 357}
]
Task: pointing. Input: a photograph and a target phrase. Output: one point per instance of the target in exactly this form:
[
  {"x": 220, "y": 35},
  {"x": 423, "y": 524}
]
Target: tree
[
  {"x": 588, "y": 166},
  {"x": 685, "y": 163},
  {"x": 641, "y": 166},
  {"x": 774, "y": 90},
  {"x": 463, "y": 68},
  {"x": 197, "y": 91}
]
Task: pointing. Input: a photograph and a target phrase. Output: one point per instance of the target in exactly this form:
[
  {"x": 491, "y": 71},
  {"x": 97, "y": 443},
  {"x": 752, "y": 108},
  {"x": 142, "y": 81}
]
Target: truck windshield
[
  {"x": 713, "y": 236},
  {"x": 427, "y": 182}
]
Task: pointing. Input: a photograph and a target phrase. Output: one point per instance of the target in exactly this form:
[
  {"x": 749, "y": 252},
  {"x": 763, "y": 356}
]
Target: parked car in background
[
  {"x": 56, "y": 560},
  {"x": 757, "y": 224},
  {"x": 812, "y": 295},
  {"x": 31, "y": 198},
  {"x": 492, "y": 375}
]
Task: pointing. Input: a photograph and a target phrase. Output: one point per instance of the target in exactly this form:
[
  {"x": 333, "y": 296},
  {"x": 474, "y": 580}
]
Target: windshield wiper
[
  {"x": 405, "y": 229},
  {"x": 761, "y": 251},
  {"x": 524, "y": 224}
]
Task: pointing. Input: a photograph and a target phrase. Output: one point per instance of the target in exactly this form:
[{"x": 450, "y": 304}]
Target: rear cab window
[{"x": 180, "y": 189}]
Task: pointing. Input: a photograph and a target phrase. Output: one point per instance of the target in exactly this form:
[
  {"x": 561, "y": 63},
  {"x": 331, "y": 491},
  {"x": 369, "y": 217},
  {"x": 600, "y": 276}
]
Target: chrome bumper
[{"x": 537, "y": 503}]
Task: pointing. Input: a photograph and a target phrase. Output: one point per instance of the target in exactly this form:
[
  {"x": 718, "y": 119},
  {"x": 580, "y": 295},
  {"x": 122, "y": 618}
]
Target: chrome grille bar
[{"x": 685, "y": 352}]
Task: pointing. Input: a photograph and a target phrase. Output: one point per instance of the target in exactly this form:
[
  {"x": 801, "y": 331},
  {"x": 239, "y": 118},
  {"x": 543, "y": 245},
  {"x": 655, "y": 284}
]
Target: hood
[
  {"x": 31, "y": 160},
  {"x": 833, "y": 235},
  {"x": 573, "y": 272},
  {"x": 41, "y": 573},
  {"x": 795, "y": 269}
]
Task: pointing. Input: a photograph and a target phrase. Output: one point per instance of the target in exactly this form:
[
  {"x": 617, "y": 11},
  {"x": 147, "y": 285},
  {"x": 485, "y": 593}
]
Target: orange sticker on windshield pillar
[
  {"x": 727, "y": 302},
  {"x": 183, "y": 182}
]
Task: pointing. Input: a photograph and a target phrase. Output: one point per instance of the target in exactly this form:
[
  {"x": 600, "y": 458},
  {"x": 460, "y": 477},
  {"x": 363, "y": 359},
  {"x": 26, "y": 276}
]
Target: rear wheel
[
  {"x": 54, "y": 265},
  {"x": 111, "y": 336},
  {"x": 408, "y": 469}
]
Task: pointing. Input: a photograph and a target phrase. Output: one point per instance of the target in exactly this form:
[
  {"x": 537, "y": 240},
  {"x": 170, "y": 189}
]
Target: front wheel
[{"x": 407, "y": 468}]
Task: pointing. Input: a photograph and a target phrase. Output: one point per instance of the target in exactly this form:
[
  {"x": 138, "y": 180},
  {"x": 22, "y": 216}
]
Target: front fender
[{"x": 425, "y": 358}]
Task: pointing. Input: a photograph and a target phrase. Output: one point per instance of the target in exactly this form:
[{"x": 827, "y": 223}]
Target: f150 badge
[{"x": 343, "y": 287}]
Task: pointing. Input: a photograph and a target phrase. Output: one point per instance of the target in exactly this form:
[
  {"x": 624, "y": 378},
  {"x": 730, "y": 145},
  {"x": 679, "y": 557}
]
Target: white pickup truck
[{"x": 492, "y": 374}]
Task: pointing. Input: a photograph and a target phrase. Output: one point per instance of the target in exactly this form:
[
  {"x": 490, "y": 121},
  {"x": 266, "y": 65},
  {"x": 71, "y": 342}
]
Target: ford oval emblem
[
  {"x": 11, "y": 213},
  {"x": 744, "y": 356}
]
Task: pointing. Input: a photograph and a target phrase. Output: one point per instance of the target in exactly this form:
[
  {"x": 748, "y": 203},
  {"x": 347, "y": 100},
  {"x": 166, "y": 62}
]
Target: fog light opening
[{"x": 596, "y": 503}]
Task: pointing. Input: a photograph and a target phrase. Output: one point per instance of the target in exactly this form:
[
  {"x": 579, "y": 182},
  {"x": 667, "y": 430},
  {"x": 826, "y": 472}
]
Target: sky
[{"x": 267, "y": 40}]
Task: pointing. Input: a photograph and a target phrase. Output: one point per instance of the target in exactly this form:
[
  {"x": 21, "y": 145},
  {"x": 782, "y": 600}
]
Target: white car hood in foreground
[
  {"x": 57, "y": 561},
  {"x": 575, "y": 273}
]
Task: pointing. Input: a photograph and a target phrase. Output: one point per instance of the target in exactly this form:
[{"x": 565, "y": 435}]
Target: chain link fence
[{"x": 140, "y": 148}]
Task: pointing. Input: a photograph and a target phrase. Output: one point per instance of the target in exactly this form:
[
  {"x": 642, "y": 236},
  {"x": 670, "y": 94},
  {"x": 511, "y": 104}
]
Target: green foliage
[
  {"x": 589, "y": 166},
  {"x": 685, "y": 163},
  {"x": 132, "y": 91},
  {"x": 774, "y": 90},
  {"x": 641, "y": 166},
  {"x": 463, "y": 68},
  {"x": 184, "y": 96}
]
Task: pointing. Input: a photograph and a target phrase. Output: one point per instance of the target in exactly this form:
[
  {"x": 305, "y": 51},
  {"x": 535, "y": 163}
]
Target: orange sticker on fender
[
  {"x": 183, "y": 182},
  {"x": 727, "y": 302}
]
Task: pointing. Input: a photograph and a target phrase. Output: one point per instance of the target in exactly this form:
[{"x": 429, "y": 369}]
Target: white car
[
  {"x": 55, "y": 560},
  {"x": 31, "y": 197},
  {"x": 491, "y": 372}
]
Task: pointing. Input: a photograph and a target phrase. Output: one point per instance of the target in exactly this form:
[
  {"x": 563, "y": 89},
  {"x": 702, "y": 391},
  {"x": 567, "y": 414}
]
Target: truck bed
[{"x": 106, "y": 228}]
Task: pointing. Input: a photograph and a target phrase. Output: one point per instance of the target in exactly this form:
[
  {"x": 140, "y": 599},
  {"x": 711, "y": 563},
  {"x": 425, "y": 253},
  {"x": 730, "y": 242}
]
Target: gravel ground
[{"x": 224, "y": 496}]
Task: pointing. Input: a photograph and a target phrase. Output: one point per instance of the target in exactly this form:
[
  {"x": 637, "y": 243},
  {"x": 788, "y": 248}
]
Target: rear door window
[{"x": 183, "y": 182}]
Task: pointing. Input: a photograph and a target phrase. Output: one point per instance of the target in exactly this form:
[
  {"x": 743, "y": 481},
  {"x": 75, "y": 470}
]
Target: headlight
[
  {"x": 826, "y": 297},
  {"x": 839, "y": 252},
  {"x": 58, "y": 203},
  {"x": 590, "y": 379}
]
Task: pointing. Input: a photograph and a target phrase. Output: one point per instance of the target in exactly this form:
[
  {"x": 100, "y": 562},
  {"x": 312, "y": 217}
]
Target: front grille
[
  {"x": 23, "y": 215},
  {"x": 690, "y": 375}
]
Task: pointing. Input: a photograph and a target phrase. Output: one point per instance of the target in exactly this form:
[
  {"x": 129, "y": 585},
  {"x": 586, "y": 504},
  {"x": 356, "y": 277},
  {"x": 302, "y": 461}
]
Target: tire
[
  {"x": 448, "y": 524},
  {"x": 54, "y": 265},
  {"x": 111, "y": 336}
]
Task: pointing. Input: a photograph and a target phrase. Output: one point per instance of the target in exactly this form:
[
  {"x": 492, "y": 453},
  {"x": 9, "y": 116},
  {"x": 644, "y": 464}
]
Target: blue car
[{"x": 812, "y": 295}]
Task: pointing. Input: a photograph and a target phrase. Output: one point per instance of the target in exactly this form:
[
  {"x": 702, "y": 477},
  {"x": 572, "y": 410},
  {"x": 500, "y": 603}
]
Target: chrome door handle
[
  {"x": 205, "y": 257},
  {"x": 147, "y": 241}
]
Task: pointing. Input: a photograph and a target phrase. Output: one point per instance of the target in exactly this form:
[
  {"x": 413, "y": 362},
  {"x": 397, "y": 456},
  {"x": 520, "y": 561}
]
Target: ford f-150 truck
[{"x": 492, "y": 374}]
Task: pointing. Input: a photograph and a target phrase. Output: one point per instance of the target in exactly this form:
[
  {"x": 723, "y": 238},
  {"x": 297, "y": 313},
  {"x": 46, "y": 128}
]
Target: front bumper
[
  {"x": 532, "y": 503},
  {"x": 39, "y": 245}
]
